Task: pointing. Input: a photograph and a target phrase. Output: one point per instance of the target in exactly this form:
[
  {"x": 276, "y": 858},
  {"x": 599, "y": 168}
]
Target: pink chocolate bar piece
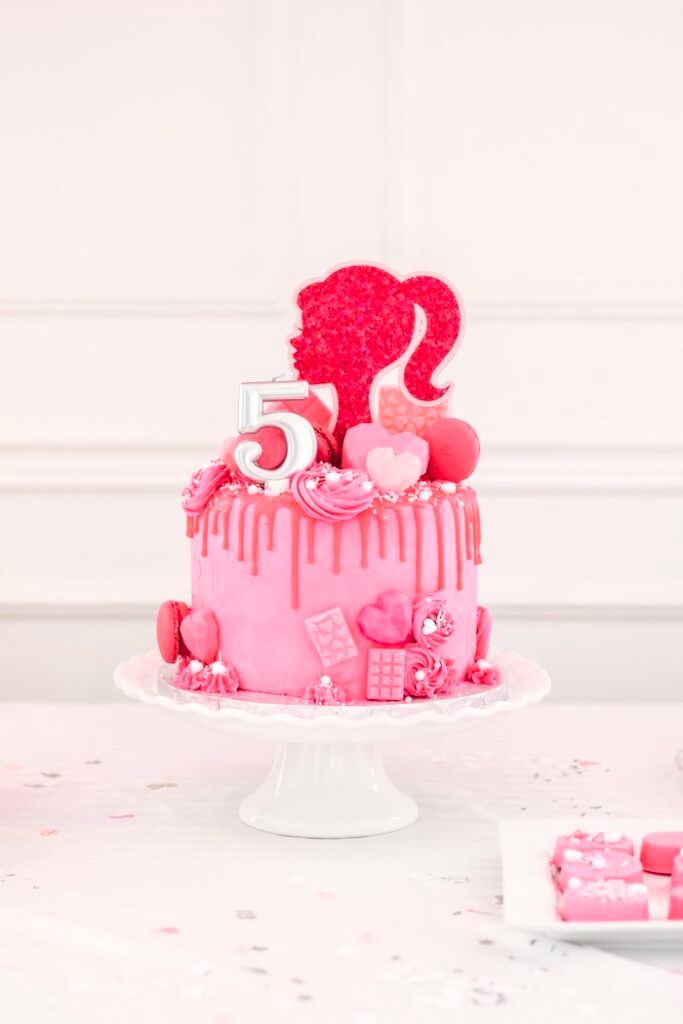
[
  {"x": 331, "y": 636},
  {"x": 590, "y": 842},
  {"x": 604, "y": 900},
  {"x": 658, "y": 849},
  {"x": 386, "y": 673},
  {"x": 676, "y": 903},
  {"x": 606, "y": 864}
]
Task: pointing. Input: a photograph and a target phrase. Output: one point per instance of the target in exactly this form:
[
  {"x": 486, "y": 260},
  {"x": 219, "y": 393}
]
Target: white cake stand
[{"x": 328, "y": 780}]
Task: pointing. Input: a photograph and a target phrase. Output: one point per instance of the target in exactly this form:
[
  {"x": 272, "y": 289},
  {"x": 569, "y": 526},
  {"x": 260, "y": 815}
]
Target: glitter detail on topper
[{"x": 360, "y": 321}]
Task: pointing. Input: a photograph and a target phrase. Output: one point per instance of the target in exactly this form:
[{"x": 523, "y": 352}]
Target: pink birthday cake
[{"x": 334, "y": 542}]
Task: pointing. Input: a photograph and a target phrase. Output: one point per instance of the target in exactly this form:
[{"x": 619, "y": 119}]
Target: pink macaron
[{"x": 169, "y": 620}]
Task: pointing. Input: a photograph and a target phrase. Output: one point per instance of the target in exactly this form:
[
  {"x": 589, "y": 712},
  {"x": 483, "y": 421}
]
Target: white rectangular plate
[{"x": 529, "y": 893}]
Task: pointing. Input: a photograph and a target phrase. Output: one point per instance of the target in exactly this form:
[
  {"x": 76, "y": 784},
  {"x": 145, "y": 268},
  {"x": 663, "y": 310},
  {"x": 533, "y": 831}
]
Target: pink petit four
[
  {"x": 590, "y": 842},
  {"x": 677, "y": 870},
  {"x": 606, "y": 864},
  {"x": 676, "y": 904},
  {"x": 658, "y": 851},
  {"x": 603, "y": 900}
]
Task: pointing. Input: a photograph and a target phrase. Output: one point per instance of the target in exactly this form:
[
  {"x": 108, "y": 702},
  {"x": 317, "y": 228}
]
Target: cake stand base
[
  {"x": 328, "y": 791},
  {"x": 328, "y": 780}
]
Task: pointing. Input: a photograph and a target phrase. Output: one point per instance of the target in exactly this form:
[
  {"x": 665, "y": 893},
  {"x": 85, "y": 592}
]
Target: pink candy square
[
  {"x": 331, "y": 635},
  {"x": 386, "y": 673}
]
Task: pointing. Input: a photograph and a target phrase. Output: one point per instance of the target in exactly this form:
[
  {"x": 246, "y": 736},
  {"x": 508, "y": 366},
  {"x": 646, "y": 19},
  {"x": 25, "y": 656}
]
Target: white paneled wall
[{"x": 172, "y": 170}]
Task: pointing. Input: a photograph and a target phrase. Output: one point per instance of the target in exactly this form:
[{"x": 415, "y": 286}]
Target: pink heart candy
[
  {"x": 361, "y": 439},
  {"x": 199, "y": 630},
  {"x": 388, "y": 620},
  {"x": 392, "y": 472}
]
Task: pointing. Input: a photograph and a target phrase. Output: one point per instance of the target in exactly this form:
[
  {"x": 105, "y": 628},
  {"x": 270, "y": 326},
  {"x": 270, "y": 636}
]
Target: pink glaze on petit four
[
  {"x": 677, "y": 870},
  {"x": 590, "y": 842},
  {"x": 607, "y": 864},
  {"x": 658, "y": 850},
  {"x": 604, "y": 900},
  {"x": 676, "y": 903}
]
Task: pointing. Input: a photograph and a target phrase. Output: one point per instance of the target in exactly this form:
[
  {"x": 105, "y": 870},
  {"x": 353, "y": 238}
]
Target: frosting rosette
[
  {"x": 332, "y": 495},
  {"x": 203, "y": 485},
  {"x": 426, "y": 674},
  {"x": 325, "y": 691},
  {"x": 222, "y": 678},
  {"x": 432, "y": 622},
  {"x": 483, "y": 673}
]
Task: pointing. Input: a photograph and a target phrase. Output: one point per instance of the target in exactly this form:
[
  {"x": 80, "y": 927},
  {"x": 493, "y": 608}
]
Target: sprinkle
[
  {"x": 448, "y": 487},
  {"x": 333, "y": 477},
  {"x": 311, "y": 483}
]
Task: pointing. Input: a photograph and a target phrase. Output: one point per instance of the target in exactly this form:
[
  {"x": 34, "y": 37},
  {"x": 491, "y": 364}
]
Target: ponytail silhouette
[{"x": 360, "y": 320}]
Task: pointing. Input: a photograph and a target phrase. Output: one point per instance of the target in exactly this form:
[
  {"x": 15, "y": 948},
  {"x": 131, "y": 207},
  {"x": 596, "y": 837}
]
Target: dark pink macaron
[{"x": 169, "y": 619}]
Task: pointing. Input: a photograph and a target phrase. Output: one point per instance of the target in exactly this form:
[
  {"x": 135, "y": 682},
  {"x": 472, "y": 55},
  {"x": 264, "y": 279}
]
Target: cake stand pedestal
[{"x": 327, "y": 780}]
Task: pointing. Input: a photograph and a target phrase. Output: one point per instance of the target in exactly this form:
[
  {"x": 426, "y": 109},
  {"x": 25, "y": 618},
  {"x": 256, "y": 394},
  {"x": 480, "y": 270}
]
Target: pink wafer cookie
[
  {"x": 331, "y": 636},
  {"x": 590, "y": 842},
  {"x": 604, "y": 900},
  {"x": 607, "y": 864}
]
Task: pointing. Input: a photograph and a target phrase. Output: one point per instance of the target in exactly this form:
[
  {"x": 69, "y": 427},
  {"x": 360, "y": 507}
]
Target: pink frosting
[
  {"x": 332, "y": 495},
  {"x": 426, "y": 674},
  {"x": 483, "y": 673},
  {"x": 218, "y": 677},
  {"x": 325, "y": 691},
  {"x": 432, "y": 622},
  {"x": 203, "y": 485}
]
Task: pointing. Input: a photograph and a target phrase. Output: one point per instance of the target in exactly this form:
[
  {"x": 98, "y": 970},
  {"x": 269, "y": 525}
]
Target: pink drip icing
[
  {"x": 205, "y": 531},
  {"x": 464, "y": 508},
  {"x": 296, "y": 529},
  {"x": 382, "y": 527},
  {"x": 364, "y": 526},
  {"x": 240, "y": 531},
  {"x": 310, "y": 541},
  {"x": 336, "y": 548},
  {"x": 226, "y": 524},
  {"x": 438, "y": 520},
  {"x": 418, "y": 547}
]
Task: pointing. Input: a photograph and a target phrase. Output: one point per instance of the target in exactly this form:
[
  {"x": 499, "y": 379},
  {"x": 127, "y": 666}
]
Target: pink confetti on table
[
  {"x": 48, "y": 831},
  {"x": 120, "y": 817},
  {"x": 331, "y": 636},
  {"x": 167, "y": 929}
]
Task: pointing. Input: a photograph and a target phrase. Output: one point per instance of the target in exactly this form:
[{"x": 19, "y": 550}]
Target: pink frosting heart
[
  {"x": 360, "y": 440},
  {"x": 389, "y": 620},
  {"x": 199, "y": 630},
  {"x": 391, "y": 471}
]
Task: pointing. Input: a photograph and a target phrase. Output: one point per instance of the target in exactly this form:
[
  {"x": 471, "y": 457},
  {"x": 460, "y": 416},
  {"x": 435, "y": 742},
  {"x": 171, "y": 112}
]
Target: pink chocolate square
[
  {"x": 331, "y": 635},
  {"x": 386, "y": 673}
]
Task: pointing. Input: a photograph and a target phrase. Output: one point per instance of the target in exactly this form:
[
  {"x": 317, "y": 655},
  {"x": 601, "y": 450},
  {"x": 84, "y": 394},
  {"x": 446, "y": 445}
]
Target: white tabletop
[{"x": 131, "y": 892}]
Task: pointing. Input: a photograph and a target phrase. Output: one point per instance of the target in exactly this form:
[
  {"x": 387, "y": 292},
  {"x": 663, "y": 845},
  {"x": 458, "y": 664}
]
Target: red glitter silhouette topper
[{"x": 359, "y": 321}]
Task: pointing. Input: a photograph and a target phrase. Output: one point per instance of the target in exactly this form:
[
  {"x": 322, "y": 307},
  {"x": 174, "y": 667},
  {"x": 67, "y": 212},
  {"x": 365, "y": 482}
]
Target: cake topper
[{"x": 361, "y": 320}]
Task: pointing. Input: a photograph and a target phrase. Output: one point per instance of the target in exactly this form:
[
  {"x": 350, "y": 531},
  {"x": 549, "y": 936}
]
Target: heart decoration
[
  {"x": 391, "y": 471},
  {"x": 389, "y": 620},
  {"x": 199, "y": 630},
  {"x": 361, "y": 439}
]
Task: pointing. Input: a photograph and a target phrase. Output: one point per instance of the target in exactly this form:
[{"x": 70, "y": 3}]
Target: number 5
[{"x": 299, "y": 434}]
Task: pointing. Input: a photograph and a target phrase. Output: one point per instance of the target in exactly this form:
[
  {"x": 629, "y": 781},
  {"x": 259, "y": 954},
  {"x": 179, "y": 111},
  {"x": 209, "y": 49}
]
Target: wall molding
[
  {"x": 508, "y": 469},
  {"x": 64, "y": 607},
  {"x": 259, "y": 306}
]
